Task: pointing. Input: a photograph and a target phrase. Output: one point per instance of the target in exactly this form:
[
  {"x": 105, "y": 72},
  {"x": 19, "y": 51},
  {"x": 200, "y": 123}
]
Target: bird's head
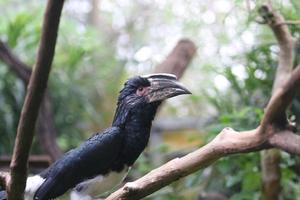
[{"x": 145, "y": 93}]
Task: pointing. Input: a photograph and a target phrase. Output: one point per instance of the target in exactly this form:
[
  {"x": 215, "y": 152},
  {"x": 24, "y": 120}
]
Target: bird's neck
[{"x": 137, "y": 129}]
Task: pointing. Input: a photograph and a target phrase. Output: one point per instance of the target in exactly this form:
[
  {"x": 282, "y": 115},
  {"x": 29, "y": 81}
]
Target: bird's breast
[{"x": 98, "y": 185}]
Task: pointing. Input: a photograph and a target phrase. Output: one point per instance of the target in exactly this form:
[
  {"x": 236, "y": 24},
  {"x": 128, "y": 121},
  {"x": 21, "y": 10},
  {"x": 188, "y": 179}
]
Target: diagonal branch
[
  {"x": 227, "y": 142},
  {"x": 281, "y": 99},
  {"x": 178, "y": 60},
  {"x": 45, "y": 125},
  {"x": 15, "y": 64},
  {"x": 36, "y": 88}
]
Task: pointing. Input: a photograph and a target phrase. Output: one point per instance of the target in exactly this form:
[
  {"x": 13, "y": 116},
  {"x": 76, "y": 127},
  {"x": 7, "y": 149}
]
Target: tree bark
[
  {"x": 36, "y": 88},
  {"x": 270, "y": 159},
  {"x": 46, "y": 129}
]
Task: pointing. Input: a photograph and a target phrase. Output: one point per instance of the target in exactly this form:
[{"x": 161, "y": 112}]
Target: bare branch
[
  {"x": 33, "y": 99},
  {"x": 227, "y": 142},
  {"x": 45, "y": 126},
  {"x": 290, "y": 22},
  {"x": 178, "y": 60},
  {"x": 46, "y": 129},
  {"x": 286, "y": 141},
  {"x": 271, "y": 158},
  {"x": 281, "y": 99},
  {"x": 286, "y": 55},
  {"x": 20, "y": 68}
]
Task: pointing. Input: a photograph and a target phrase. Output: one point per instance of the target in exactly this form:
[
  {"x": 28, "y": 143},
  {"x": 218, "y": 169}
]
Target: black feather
[{"x": 94, "y": 157}]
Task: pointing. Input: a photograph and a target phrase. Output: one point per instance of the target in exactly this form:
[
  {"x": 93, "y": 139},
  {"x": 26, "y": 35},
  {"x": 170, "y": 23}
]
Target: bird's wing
[{"x": 93, "y": 157}]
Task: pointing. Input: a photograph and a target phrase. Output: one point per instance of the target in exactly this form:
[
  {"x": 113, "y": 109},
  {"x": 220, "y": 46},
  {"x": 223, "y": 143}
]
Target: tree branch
[
  {"x": 15, "y": 64},
  {"x": 286, "y": 141},
  {"x": 276, "y": 106},
  {"x": 286, "y": 55},
  {"x": 178, "y": 60},
  {"x": 33, "y": 99},
  {"x": 271, "y": 158},
  {"x": 45, "y": 125},
  {"x": 227, "y": 142},
  {"x": 46, "y": 129}
]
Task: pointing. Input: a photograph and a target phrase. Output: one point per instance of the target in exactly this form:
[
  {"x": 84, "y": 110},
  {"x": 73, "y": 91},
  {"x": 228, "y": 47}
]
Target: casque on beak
[{"x": 164, "y": 86}]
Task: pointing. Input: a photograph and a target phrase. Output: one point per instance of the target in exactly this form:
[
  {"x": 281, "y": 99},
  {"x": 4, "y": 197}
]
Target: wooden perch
[
  {"x": 36, "y": 88},
  {"x": 271, "y": 159}
]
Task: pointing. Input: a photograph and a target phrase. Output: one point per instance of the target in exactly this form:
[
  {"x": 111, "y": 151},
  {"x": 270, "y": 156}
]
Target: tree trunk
[{"x": 35, "y": 92}]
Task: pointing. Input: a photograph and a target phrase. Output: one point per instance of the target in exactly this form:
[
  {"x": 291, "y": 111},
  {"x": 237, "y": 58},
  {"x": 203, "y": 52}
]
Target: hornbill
[{"x": 103, "y": 161}]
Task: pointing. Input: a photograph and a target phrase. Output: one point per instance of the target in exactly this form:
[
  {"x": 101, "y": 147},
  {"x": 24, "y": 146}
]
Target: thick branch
[
  {"x": 271, "y": 159},
  {"x": 178, "y": 60},
  {"x": 21, "y": 69},
  {"x": 33, "y": 99},
  {"x": 281, "y": 99},
  {"x": 227, "y": 142},
  {"x": 286, "y": 56},
  {"x": 46, "y": 129},
  {"x": 285, "y": 40},
  {"x": 286, "y": 141}
]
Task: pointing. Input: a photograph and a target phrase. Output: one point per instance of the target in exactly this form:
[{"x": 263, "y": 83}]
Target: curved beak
[{"x": 164, "y": 86}]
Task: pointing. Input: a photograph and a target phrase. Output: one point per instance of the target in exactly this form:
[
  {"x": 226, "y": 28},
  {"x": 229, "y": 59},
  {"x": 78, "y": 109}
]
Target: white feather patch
[
  {"x": 32, "y": 185},
  {"x": 92, "y": 188}
]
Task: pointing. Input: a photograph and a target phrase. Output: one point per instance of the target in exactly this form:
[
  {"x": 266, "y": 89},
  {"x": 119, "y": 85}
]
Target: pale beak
[{"x": 164, "y": 86}]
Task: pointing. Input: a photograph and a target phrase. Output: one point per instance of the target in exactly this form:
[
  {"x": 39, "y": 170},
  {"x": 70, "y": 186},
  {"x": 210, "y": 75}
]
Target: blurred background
[{"x": 101, "y": 43}]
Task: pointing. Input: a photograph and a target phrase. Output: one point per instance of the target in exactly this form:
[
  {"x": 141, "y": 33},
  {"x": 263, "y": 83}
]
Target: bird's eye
[{"x": 141, "y": 91}]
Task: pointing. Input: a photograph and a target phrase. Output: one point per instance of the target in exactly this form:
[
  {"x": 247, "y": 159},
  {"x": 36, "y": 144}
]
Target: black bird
[{"x": 103, "y": 161}]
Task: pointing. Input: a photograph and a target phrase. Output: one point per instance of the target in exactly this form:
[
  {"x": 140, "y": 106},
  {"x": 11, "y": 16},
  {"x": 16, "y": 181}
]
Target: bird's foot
[{"x": 131, "y": 186}]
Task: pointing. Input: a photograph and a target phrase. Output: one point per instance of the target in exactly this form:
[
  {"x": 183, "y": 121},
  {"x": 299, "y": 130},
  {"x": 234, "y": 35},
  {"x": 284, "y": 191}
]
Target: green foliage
[
  {"x": 11, "y": 99},
  {"x": 241, "y": 106},
  {"x": 84, "y": 63}
]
